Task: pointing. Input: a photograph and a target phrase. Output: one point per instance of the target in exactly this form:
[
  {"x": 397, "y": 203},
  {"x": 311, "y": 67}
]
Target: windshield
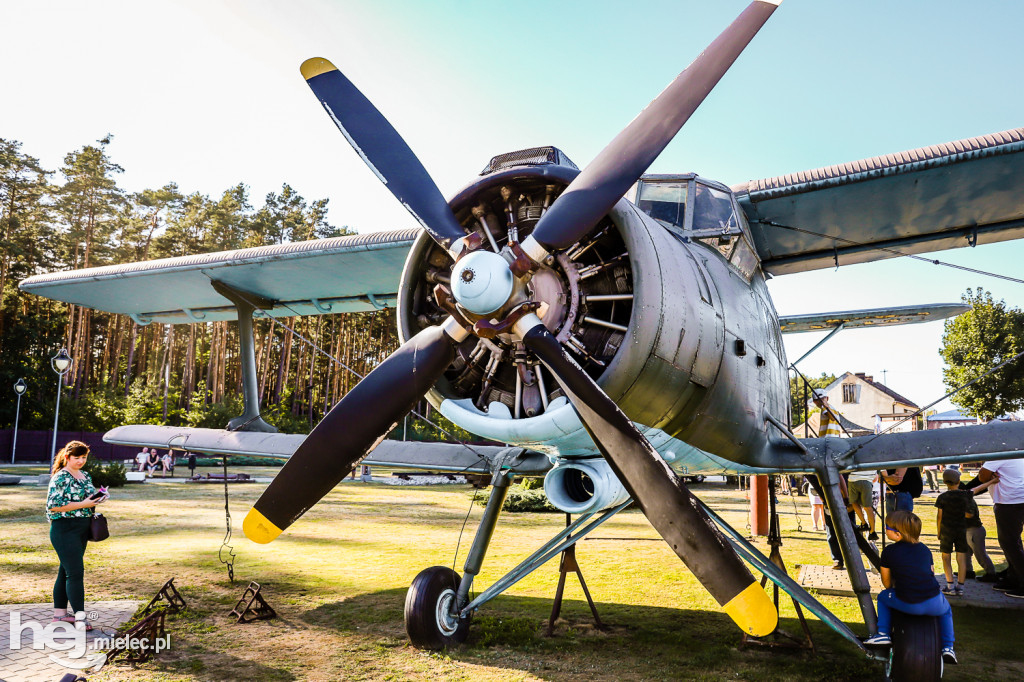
[
  {"x": 665, "y": 201},
  {"x": 713, "y": 210}
]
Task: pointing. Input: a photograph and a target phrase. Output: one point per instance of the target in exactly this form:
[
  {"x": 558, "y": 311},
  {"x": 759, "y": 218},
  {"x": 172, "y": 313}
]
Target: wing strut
[{"x": 246, "y": 303}]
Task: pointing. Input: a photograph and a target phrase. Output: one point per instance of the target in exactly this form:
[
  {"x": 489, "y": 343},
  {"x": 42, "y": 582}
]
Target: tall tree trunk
[
  {"x": 283, "y": 362},
  {"x": 131, "y": 358},
  {"x": 209, "y": 363}
]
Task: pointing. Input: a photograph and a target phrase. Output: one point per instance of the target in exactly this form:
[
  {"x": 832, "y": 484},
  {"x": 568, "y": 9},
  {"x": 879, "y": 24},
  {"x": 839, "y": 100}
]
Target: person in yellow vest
[
  {"x": 828, "y": 425},
  {"x": 860, "y": 483},
  {"x": 828, "y": 420}
]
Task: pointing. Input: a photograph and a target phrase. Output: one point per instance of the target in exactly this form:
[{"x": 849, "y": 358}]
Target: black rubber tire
[
  {"x": 425, "y": 602},
  {"x": 916, "y": 654}
]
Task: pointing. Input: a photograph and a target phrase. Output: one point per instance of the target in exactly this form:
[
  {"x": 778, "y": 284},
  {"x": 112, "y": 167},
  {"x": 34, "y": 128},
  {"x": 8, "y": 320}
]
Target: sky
[{"x": 207, "y": 93}]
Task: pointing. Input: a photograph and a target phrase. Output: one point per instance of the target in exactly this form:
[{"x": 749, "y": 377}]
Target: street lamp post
[
  {"x": 61, "y": 363},
  {"x": 19, "y": 388}
]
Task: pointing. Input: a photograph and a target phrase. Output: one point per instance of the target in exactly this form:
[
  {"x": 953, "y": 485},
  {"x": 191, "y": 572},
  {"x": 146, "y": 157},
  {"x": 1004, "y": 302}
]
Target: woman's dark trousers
[{"x": 69, "y": 538}]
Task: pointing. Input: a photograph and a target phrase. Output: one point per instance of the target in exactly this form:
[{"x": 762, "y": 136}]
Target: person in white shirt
[
  {"x": 140, "y": 459},
  {"x": 1008, "y": 496}
]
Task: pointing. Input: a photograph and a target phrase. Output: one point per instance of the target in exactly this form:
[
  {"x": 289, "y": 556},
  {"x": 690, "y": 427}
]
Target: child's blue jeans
[{"x": 936, "y": 606}]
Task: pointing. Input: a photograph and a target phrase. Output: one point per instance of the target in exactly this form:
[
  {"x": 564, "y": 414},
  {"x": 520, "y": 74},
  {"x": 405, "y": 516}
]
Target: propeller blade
[
  {"x": 383, "y": 150},
  {"x": 664, "y": 499},
  {"x": 603, "y": 182},
  {"x": 352, "y": 428}
]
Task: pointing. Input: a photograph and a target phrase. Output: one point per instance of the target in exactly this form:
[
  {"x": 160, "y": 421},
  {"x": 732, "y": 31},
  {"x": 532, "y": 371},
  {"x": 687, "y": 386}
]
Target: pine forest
[{"x": 78, "y": 216}]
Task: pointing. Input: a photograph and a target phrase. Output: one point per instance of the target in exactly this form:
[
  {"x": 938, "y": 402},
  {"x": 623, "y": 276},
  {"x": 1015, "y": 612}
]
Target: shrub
[
  {"x": 111, "y": 475},
  {"x": 532, "y": 483},
  {"x": 521, "y": 500}
]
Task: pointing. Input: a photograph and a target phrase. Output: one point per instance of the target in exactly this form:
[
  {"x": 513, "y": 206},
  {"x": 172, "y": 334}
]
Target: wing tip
[
  {"x": 315, "y": 66},
  {"x": 258, "y": 529}
]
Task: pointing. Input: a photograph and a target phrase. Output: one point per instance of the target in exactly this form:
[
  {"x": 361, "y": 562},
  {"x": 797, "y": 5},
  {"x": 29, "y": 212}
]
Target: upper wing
[
  {"x": 342, "y": 274},
  {"x": 480, "y": 459},
  {"x": 941, "y": 197},
  {"x": 872, "y": 317}
]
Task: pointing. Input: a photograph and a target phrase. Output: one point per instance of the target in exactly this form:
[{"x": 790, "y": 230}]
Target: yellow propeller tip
[
  {"x": 315, "y": 67},
  {"x": 753, "y": 610},
  {"x": 258, "y": 529}
]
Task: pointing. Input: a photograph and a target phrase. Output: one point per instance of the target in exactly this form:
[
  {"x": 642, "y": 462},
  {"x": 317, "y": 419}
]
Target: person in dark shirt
[
  {"x": 976, "y": 531},
  {"x": 951, "y": 521},
  {"x": 907, "y": 574},
  {"x": 905, "y": 485}
]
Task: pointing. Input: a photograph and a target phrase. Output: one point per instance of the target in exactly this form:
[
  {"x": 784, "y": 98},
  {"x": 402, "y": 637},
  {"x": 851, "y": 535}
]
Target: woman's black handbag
[{"x": 98, "y": 528}]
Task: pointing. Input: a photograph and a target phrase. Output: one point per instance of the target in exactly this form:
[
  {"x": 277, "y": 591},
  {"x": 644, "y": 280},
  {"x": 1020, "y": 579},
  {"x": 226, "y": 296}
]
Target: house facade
[{"x": 866, "y": 404}]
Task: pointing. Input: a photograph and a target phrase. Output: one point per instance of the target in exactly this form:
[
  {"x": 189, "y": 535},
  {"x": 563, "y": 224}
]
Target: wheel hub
[{"x": 447, "y": 619}]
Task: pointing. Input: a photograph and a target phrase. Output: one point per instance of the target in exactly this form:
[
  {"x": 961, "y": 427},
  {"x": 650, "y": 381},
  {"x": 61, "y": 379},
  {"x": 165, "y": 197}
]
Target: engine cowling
[
  {"x": 631, "y": 303},
  {"x": 583, "y": 486}
]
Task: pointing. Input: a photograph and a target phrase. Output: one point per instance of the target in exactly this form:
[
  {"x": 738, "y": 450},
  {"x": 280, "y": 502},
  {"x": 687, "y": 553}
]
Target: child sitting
[{"x": 907, "y": 574}]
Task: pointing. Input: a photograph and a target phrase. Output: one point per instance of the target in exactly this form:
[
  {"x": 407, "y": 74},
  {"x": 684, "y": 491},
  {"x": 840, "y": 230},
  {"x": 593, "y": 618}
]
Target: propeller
[
  {"x": 361, "y": 419},
  {"x": 602, "y": 183},
  {"x": 352, "y": 428},
  {"x": 383, "y": 150},
  {"x": 663, "y": 498}
]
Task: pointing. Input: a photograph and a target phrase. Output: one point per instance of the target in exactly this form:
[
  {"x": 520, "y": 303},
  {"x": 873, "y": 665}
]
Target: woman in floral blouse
[{"x": 70, "y": 509}]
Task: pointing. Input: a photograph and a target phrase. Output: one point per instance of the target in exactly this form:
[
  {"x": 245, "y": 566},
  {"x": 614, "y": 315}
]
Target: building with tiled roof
[{"x": 859, "y": 399}]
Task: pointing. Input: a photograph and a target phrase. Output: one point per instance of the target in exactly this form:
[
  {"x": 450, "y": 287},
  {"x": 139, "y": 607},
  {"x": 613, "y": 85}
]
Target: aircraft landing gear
[
  {"x": 431, "y": 615},
  {"x": 916, "y": 652}
]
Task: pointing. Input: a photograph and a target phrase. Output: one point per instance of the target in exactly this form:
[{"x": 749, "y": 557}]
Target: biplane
[{"x": 613, "y": 328}]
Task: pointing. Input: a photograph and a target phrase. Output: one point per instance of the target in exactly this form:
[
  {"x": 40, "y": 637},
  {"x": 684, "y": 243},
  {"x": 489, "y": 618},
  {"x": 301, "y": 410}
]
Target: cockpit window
[
  {"x": 665, "y": 201},
  {"x": 713, "y": 210}
]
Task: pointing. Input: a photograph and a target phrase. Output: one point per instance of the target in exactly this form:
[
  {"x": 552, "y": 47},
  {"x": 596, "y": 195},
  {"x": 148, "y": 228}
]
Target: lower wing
[
  {"x": 472, "y": 459},
  {"x": 998, "y": 440}
]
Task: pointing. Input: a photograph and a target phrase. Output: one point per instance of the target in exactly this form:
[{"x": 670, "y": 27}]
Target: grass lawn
[{"x": 338, "y": 578}]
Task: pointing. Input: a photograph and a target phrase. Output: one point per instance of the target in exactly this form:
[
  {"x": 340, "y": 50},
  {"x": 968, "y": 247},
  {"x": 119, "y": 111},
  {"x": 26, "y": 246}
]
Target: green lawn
[{"x": 338, "y": 579}]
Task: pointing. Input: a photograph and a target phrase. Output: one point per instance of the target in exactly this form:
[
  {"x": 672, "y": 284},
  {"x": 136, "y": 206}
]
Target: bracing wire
[
  {"x": 458, "y": 543},
  {"x": 895, "y": 252}
]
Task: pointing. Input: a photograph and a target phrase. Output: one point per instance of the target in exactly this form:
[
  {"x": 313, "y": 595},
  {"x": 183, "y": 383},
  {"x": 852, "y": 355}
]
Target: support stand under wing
[
  {"x": 567, "y": 565},
  {"x": 780, "y": 638}
]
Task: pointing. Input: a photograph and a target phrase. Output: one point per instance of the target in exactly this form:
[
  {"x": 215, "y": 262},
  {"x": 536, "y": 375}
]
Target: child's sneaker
[
  {"x": 880, "y": 639},
  {"x": 948, "y": 589},
  {"x": 958, "y": 591},
  {"x": 949, "y": 656}
]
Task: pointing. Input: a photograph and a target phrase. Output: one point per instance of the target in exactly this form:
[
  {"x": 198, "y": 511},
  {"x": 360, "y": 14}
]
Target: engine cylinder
[{"x": 583, "y": 486}]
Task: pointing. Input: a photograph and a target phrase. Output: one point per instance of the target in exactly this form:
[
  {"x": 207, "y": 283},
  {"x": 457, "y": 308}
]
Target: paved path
[
  {"x": 827, "y": 580},
  {"x": 26, "y": 664}
]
